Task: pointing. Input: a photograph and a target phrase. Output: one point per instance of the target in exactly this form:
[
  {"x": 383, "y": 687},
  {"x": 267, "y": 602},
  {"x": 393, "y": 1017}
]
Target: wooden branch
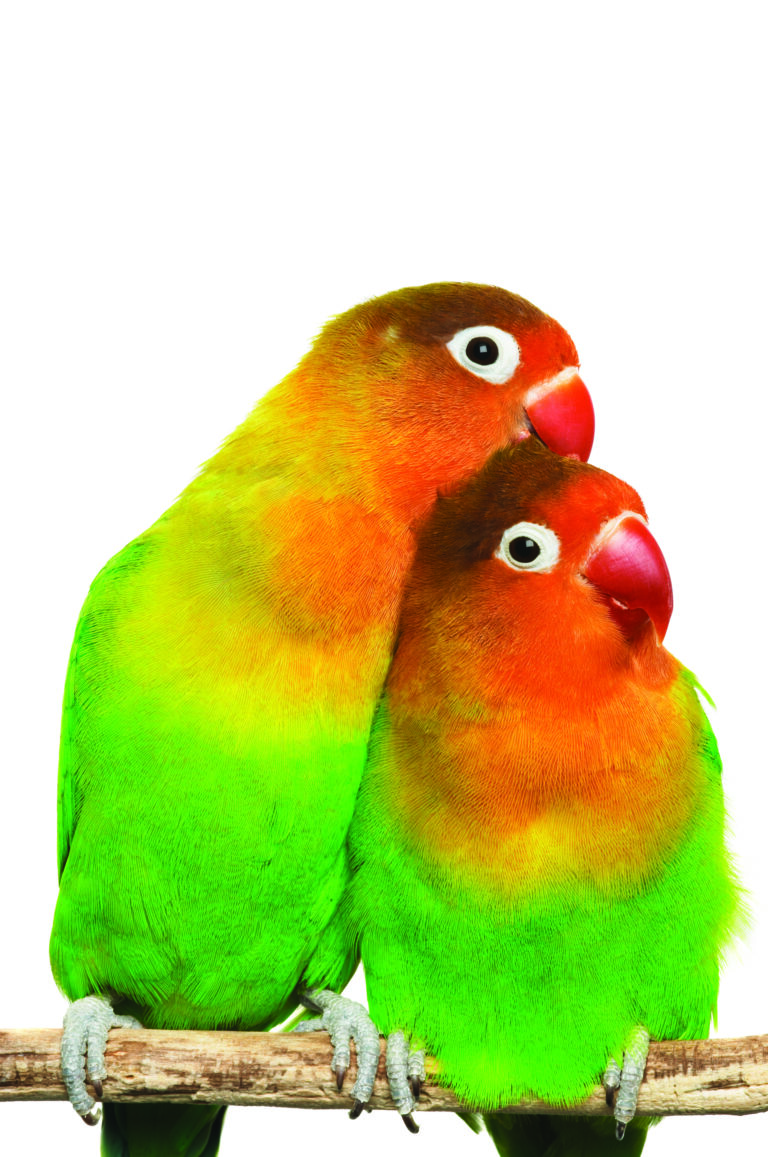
[{"x": 293, "y": 1070}]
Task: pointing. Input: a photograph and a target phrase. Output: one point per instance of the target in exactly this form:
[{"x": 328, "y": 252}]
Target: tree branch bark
[{"x": 293, "y": 1071}]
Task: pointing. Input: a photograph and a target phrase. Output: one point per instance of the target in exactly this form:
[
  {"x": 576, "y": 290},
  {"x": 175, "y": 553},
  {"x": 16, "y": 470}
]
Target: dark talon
[
  {"x": 340, "y": 1075},
  {"x": 90, "y": 1118},
  {"x": 416, "y": 1087},
  {"x": 610, "y": 1097},
  {"x": 356, "y": 1110},
  {"x": 98, "y": 1089},
  {"x": 621, "y": 1129},
  {"x": 409, "y": 1123}
]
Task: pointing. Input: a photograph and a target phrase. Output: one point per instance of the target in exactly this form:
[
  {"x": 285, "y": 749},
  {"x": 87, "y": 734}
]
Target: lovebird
[
  {"x": 540, "y": 879},
  {"x": 225, "y": 671}
]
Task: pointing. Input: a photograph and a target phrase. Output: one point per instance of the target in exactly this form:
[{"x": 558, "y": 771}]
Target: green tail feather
[
  {"x": 472, "y": 1120},
  {"x": 520, "y": 1135},
  {"x": 161, "y": 1130}
]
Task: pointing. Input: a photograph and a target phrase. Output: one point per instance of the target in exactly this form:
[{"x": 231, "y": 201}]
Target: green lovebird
[
  {"x": 225, "y": 672},
  {"x": 540, "y": 879}
]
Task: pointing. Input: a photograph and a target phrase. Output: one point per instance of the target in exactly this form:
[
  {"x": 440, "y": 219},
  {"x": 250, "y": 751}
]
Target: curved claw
[
  {"x": 356, "y": 1110},
  {"x": 86, "y": 1026},
  {"x": 409, "y": 1123},
  {"x": 417, "y": 1073}
]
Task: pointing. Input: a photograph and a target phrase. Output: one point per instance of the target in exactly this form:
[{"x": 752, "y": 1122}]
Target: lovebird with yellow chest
[
  {"x": 540, "y": 882},
  {"x": 225, "y": 672}
]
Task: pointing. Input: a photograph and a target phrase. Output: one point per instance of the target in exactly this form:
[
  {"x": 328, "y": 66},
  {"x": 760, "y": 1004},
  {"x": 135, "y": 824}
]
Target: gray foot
[
  {"x": 622, "y": 1083},
  {"x": 346, "y": 1020},
  {"x": 406, "y": 1074},
  {"x": 86, "y": 1025}
]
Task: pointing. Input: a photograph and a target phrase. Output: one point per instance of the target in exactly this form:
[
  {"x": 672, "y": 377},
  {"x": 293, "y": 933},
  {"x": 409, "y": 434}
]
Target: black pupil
[
  {"x": 483, "y": 351},
  {"x": 522, "y": 549}
]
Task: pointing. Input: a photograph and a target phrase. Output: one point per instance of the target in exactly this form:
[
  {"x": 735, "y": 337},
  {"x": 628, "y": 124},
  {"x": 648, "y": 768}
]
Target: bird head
[
  {"x": 539, "y": 576},
  {"x": 440, "y": 376}
]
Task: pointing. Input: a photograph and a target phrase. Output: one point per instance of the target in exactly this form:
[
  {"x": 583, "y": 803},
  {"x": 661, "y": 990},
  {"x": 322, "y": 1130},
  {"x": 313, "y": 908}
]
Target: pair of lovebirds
[{"x": 387, "y": 680}]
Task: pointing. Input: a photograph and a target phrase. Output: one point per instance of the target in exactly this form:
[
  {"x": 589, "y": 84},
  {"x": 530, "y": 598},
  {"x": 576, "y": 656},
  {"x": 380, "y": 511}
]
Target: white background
[{"x": 191, "y": 190}]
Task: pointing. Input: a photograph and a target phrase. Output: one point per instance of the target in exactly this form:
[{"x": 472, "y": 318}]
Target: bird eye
[
  {"x": 486, "y": 351},
  {"x": 529, "y": 546},
  {"x": 483, "y": 351}
]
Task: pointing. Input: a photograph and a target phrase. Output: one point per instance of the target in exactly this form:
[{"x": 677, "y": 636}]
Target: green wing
[{"x": 70, "y": 771}]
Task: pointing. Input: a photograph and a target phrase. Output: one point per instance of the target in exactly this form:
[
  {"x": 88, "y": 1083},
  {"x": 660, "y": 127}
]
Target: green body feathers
[
  {"x": 538, "y": 846},
  {"x": 530, "y": 990},
  {"x": 227, "y": 664}
]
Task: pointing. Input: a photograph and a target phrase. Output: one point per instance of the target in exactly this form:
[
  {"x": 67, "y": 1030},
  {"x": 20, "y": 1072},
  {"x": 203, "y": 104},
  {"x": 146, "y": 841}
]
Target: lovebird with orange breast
[
  {"x": 540, "y": 879},
  {"x": 225, "y": 673}
]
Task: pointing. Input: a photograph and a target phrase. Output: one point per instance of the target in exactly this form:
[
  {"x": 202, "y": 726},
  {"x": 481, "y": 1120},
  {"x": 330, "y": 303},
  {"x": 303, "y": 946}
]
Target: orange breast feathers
[{"x": 524, "y": 737}]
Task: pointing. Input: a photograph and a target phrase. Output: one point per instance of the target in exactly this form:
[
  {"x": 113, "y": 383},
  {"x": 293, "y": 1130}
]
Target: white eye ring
[
  {"x": 502, "y": 367},
  {"x": 536, "y": 536}
]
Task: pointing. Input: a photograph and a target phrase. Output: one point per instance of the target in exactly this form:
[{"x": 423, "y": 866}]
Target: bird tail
[
  {"x": 521, "y": 1135},
  {"x": 155, "y": 1130}
]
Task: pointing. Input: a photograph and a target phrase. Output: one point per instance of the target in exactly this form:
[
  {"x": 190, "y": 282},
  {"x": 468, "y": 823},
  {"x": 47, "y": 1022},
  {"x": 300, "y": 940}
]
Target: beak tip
[{"x": 663, "y": 615}]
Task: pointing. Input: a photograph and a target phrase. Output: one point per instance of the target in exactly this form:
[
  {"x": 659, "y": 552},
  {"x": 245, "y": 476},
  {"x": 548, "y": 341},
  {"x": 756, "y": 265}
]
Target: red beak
[
  {"x": 628, "y": 566},
  {"x": 563, "y": 417}
]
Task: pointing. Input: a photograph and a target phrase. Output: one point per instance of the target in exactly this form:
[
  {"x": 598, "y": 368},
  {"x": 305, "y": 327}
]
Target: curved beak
[
  {"x": 627, "y": 565},
  {"x": 561, "y": 413}
]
